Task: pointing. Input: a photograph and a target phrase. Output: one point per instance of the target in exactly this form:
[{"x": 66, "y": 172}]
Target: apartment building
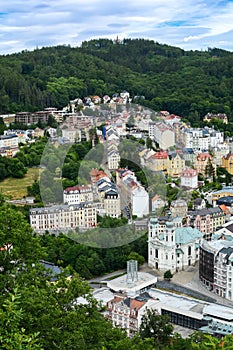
[
  {"x": 77, "y": 195},
  {"x": 201, "y": 139},
  {"x": 112, "y": 203},
  {"x": 179, "y": 208},
  {"x": 206, "y": 220},
  {"x": 63, "y": 217},
  {"x": 9, "y": 145},
  {"x": 114, "y": 158},
  {"x": 216, "y": 267},
  {"x": 176, "y": 164},
  {"x": 33, "y": 118},
  {"x": 106, "y": 193},
  {"x": 164, "y": 135},
  {"x": 133, "y": 194},
  {"x": 127, "y": 312},
  {"x": 219, "y": 116},
  {"x": 72, "y": 134}
]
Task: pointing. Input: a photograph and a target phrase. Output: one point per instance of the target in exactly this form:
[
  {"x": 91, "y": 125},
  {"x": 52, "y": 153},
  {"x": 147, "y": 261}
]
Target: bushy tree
[{"x": 157, "y": 327}]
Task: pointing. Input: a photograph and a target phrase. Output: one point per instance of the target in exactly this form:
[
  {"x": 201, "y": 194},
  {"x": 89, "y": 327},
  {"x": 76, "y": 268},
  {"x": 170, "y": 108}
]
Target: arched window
[
  {"x": 156, "y": 253},
  {"x": 189, "y": 250}
]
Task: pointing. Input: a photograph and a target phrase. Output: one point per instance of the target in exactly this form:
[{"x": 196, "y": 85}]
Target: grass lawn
[{"x": 17, "y": 188}]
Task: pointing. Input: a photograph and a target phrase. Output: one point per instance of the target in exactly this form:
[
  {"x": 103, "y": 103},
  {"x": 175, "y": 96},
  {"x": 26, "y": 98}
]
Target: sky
[{"x": 188, "y": 24}]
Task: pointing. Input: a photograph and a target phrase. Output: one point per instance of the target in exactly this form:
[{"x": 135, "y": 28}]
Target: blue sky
[{"x": 189, "y": 24}]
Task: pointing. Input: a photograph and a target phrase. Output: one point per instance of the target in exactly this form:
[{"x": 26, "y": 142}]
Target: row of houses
[
  {"x": 173, "y": 164},
  {"x": 62, "y": 218}
]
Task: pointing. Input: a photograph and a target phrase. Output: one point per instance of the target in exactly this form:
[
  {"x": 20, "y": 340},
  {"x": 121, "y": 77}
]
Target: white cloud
[{"x": 184, "y": 23}]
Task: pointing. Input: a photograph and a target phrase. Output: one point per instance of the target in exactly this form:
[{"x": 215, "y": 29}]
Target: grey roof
[
  {"x": 206, "y": 211},
  {"x": 58, "y": 208},
  {"x": 228, "y": 200},
  {"x": 198, "y": 201}
]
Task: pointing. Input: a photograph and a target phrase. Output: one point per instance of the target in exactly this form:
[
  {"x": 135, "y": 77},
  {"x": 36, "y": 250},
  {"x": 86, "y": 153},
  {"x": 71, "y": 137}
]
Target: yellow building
[
  {"x": 227, "y": 163},
  {"x": 176, "y": 164}
]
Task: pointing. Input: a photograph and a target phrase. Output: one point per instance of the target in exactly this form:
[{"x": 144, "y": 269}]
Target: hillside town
[{"x": 189, "y": 226}]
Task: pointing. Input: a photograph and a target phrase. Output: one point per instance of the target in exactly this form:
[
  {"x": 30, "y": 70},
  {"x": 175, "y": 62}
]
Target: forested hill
[{"x": 188, "y": 83}]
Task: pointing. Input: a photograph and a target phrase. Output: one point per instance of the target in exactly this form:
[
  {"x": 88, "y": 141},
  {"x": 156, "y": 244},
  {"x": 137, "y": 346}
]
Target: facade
[
  {"x": 164, "y": 135},
  {"x": 202, "y": 161},
  {"x": 63, "y": 217},
  {"x": 216, "y": 267},
  {"x": 113, "y": 160},
  {"x": 189, "y": 178},
  {"x": 155, "y": 161},
  {"x": 72, "y": 134},
  {"x": 179, "y": 208},
  {"x": 220, "y": 151},
  {"x": 133, "y": 194},
  {"x": 174, "y": 248},
  {"x": 140, "y": 202},
  {"x": 127, "y": 312},
  {"x": 112, "y": 203},
  {"x": 106, "y": 193},
  {"x": 206, "y": 220},
  {"x": 38, "y": 132},
  {"x": 77, "y": 195},
  {"x": 176, "y": 164},
  {"x": 9, "y": 145},
  {"x": 157, "y": 203},
  {"x": 33, "y": 118},
  {"x": 201, "y": 139},
  {"x": 227, "y": 162}
]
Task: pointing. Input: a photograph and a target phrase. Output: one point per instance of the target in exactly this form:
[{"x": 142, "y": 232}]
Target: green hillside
[{"x": 188, "y": 83}]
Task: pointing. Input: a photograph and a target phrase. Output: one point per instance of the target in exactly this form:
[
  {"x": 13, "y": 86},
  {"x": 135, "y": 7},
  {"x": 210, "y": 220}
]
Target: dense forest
[{"x": 188, "y": 83}]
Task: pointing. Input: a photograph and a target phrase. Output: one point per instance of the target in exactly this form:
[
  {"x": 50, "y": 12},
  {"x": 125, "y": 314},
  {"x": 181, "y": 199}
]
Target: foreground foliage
[{"x": 40, "y": 310}]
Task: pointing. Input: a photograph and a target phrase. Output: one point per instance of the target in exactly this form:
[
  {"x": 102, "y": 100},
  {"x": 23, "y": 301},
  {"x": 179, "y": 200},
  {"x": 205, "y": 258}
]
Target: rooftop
[{"x": 120, "y": 284}]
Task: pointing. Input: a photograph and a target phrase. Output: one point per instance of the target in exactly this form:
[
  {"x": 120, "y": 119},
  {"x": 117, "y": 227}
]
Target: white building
[
  {"x": 134, "y": 282},
  {"x": 189, "y": 178},
  {"x": 78, "y": 194},
  {"x": 133, "y": 194},
  {"x": 9, "y": 145},
  {"x": 113, "y": 160},
  {"x": 140, "y": 202},
  {"x": 201, "y": 139},
  {"x": 216, "y": 267},
  {"x": 173, "y": 249},
  {"x": 164, "y": 135},
  {"x": 112, "y": 203},
  {"x": 158, "y": 203},
  {"x": 72, "y": 134},
  {"x": 63, "y": 217}
]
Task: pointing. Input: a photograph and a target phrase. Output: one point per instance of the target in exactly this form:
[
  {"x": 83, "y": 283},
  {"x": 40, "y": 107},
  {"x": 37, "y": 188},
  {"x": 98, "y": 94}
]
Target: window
[{"x": 189, "y": 250}]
